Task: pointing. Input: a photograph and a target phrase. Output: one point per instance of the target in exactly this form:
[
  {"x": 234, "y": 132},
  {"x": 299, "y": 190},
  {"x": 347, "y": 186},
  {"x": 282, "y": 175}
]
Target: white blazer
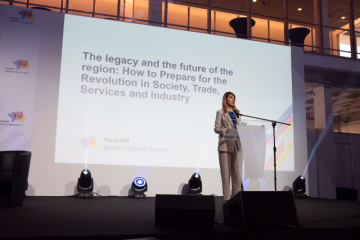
[{"x": 223, "y": 121}]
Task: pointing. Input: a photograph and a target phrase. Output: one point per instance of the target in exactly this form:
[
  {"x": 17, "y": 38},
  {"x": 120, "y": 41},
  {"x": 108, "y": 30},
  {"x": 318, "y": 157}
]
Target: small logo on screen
[
  {"x": 17, "y": 116},
  {"x": 89, "y": 142},
  {"x": 26, "y": 14},
  {"x": 22, "y": 64}
]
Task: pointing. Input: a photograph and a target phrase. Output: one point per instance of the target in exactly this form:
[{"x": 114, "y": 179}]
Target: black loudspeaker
[
  {"x": 184, "y": 210},
  {"x": 260, "y": 208},
  {"x": 346, "y": 194}
]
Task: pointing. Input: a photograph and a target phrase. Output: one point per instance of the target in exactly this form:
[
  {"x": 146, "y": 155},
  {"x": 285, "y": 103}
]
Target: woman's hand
[{"x": 228, "y": 130}]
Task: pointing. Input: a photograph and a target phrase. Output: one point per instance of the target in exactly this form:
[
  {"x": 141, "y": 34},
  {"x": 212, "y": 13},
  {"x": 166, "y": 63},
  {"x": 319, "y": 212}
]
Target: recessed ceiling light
[
  {"x": 342, "y": 17},
  {"x": 254, "y": 0},
  {"x": 299, "y": 9}
]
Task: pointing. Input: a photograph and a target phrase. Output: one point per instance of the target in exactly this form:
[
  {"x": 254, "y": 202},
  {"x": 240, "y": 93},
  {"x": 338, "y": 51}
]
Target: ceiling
[
  {"x": 274, "y": 8},
  {"x": 345, "y": 91},
  {"x": 333, "y": 77},
  {"x": 345, "y": 103},
  {"x": 357, "y": 28}
]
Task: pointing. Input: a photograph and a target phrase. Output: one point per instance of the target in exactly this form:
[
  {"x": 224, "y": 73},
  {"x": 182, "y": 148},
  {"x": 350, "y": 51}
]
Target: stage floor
[{"x": 127, "y": 218}]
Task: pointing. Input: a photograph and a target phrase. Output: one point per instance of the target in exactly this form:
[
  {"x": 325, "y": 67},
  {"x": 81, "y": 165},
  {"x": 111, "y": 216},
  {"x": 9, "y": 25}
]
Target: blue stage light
[
  {"x": 139, "y": 187},
  {"x": 139, "y": 182}
]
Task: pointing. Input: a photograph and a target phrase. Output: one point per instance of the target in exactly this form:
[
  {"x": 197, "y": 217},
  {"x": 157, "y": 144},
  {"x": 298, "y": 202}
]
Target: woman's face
[{"x": 230, "y": 100}]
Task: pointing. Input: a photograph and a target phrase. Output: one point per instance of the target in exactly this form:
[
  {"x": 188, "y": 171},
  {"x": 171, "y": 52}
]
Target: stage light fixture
[
  {"x": 299, "y": 9},
  {"x": 195, "y": 184},
  {"x": 139, "y": 187},
  {"x": 85, "y": 184},
  {"x": 299, "y": 187}
]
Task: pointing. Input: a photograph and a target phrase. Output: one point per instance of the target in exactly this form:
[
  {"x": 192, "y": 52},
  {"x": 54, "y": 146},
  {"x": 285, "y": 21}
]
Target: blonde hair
[{"x": 226, "y": 95}]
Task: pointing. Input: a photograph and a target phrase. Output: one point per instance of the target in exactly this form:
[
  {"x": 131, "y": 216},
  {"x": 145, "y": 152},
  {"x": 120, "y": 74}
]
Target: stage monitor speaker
[
  {"x": 260, "y": 208},
  {"x": 346, "y": 194},
  {"x": 184, "y": 210}
]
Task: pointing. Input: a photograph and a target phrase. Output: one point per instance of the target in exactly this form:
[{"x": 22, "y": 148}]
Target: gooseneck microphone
[
  {"x": 237, "y": 116},
  {"x": 236, "y": 113}
]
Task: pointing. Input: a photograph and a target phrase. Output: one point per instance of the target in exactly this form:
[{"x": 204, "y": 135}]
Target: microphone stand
[{"x": 273, "y": 125}]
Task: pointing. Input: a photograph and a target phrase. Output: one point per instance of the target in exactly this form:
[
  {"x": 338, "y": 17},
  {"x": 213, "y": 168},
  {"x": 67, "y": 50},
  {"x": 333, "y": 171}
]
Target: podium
[
  {"x": 248, "y": 207},
  {"x": 253, "y": 149}
]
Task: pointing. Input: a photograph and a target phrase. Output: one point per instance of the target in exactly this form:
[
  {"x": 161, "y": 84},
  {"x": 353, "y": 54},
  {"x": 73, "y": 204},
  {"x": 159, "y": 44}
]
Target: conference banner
[{"x": 20, "y": 31}]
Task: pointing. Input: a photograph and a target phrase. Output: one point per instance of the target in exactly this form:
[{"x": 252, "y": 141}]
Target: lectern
[
  {"x": 257, "y": 205},
  {"x": 253, "y": 144}
]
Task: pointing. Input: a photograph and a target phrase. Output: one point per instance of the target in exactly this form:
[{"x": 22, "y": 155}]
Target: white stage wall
[{"x": 49, "y": 64}]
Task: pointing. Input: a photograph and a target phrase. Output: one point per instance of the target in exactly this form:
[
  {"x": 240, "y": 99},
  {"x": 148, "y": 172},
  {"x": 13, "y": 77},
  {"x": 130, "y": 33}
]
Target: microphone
[
  {"x": 237, "y": 116},
  {"x": 236, "y": 113}
]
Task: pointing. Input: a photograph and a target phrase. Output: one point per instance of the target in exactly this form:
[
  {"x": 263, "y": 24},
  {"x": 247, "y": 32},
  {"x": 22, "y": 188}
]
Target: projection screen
[{"x": 131, "y": 94}]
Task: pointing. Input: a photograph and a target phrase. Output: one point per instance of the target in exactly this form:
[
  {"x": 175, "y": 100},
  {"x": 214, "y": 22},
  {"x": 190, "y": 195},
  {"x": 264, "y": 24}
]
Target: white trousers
[{"x": 230, "y": 167}]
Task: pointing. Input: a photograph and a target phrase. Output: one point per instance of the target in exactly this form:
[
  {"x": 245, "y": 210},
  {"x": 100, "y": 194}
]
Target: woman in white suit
[{"x": 230, "y": 162}]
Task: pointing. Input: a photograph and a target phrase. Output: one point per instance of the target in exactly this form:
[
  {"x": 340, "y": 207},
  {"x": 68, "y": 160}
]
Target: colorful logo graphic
[
  {"x": 284, "y": 139},
  {"x": 17, "y": 116},
  {"x": 89, "y": 142},
  {"x": 22, "y": 64},
  {"x": 26, "y": 14}
]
